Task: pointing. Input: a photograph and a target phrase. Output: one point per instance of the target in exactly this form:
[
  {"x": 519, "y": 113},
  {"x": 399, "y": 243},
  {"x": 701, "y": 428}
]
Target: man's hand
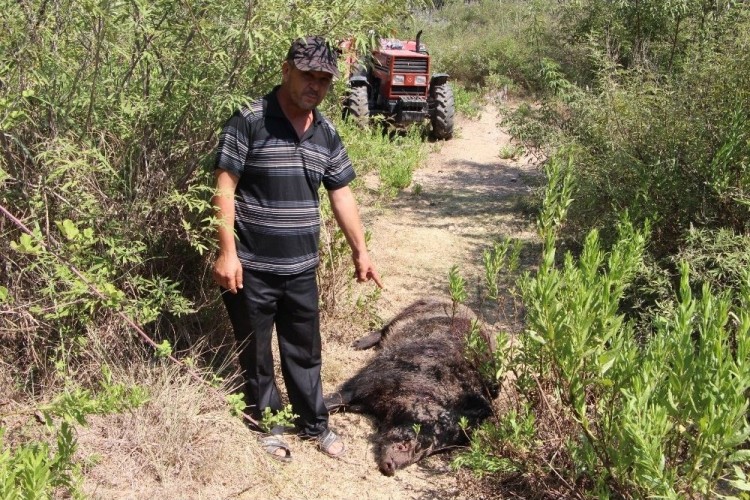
[
  {"x": 228, "y": 272},
  {"x": 364, "y": 269},
  {"x": 346, "y": 214},
  {"x": 227, "y": 269}
]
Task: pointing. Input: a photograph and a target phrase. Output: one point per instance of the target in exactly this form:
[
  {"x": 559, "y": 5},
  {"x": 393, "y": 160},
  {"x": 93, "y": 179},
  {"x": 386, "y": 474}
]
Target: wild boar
[{"x": 420, "y": 384}]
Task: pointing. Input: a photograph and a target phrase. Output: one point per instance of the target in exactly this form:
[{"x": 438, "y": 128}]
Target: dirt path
[{"x": 462, "y": 200}]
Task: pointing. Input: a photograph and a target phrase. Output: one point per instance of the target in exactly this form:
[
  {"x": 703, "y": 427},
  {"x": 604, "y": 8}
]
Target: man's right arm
[{"x": 227, "y": 269}]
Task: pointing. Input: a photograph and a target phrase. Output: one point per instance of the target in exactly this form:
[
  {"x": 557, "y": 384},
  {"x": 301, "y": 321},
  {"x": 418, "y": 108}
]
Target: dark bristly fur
[{"x": 419, "y": 385}]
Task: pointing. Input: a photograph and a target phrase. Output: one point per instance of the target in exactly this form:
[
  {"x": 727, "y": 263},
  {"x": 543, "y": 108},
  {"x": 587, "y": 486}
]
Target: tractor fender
[
  {"x": 359, "y": 81},
  {"x": 439, "y": 79}
]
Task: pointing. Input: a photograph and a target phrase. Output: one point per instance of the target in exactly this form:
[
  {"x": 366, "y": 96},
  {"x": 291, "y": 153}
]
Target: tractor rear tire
[
  {"x": 441, "y": 109},
  {"x": 356, "y": 107}
]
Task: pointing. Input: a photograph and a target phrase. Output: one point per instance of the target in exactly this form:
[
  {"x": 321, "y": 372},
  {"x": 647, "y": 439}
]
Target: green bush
[
  {"x": 647, "y": 33},
  {"x": 675, "y": 153},
  {"x": 662, "y": 414},
  {"x": 668, "y": 143},
  {"x": 109, "y": 114},
  {"x": 468, "y": 102},
  {"x": 33, "y": 470},
  {"x": 493, "y": 42},
  {"x": 393, "y": 156},
  {"x": 717, "y": 257}
]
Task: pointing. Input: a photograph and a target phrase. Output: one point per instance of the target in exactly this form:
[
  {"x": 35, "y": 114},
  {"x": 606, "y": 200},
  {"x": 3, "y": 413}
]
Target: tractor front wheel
[
  {"x": 356, "y": 107},
  {"x": 441, "y": 109}
]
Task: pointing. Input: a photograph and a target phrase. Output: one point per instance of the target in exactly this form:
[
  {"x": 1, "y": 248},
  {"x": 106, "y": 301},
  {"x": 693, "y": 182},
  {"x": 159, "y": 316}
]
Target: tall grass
[{"x": 393, "y": 155}]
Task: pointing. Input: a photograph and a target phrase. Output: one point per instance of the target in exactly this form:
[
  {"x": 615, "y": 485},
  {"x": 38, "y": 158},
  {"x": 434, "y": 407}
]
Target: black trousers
[{"x": 291, "y": 304}]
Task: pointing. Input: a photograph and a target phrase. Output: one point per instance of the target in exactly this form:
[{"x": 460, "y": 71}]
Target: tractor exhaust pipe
[{"x": 416, "y": 43}]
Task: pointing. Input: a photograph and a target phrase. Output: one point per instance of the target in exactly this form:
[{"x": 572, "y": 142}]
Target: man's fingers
[
  {"x": 374, "y": 276},
  {"x": 227, "y": 283},
  {"x": 231, "y": 284},
  {"x": 228, "y": 275},
  {"x": 238, "y": 278},
  {"x": 368, "y": 275}
]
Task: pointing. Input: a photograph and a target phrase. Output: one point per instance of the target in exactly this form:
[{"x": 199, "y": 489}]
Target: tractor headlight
[
  {"x": 398, "y": 79},
  {"x": 420, "y": 80}
]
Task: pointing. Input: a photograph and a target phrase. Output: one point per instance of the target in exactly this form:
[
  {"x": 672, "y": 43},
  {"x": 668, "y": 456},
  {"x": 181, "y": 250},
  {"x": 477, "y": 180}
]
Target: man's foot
[
  {"x": 330, "y": 444},
  {"x": 276, "y": 447}
]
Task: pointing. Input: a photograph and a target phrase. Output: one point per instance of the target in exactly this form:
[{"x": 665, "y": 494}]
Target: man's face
[{"x": 306, "y": 88}]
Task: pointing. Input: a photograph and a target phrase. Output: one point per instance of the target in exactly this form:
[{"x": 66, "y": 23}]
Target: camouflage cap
[{"x": 313, "y": 53}]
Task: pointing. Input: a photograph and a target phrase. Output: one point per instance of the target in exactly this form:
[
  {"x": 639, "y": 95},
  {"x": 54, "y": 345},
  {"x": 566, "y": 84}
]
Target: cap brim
[{"x": 306, "y": 66}]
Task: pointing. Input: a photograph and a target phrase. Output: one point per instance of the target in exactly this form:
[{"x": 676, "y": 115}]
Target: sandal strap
[
  {"x": 271, "y": 444},
  {"x": 273, "y": 441},
  {"x": 327, "y": 439}
]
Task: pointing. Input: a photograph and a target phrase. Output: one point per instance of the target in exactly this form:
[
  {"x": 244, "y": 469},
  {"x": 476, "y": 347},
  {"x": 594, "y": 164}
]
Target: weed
[
  {"x": 457, "y": 286},
  {"x": 393, "y": 157},
  {"x": 164, "y": 350},
  {"x": 498, "y": 448},
  {"x": 662, "y": 415},
  {"x": 502, "y": 257},
  {"x": 468, "y": 102},
  {"x": 282, "y": 418},
  {"x": 34, "y": 470},
  {"x": 236, "y": 404},
  {"x": 511, "y": 152},
  {"x": 417, "y": 428}
]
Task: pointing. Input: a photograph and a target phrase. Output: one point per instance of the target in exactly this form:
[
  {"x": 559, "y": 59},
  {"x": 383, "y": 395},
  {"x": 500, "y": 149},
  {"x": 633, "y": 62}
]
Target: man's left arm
[{"x": 347, "y": 216}]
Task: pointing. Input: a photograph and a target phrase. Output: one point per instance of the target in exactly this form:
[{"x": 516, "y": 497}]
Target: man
[{"x": 272, "y": 157}]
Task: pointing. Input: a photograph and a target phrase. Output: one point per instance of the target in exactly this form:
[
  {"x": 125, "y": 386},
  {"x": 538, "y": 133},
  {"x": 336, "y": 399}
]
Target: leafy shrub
[
  {"x": 33, "y": 470},
  {"x": 635, "y": 416},
  {"x": 109, "y": 115},
  {"x": 717, "y": 257},
  {"x": 491, "y": 42},
  {"x": 648, "y": 33},
  {"x": 666, "y": 142}
]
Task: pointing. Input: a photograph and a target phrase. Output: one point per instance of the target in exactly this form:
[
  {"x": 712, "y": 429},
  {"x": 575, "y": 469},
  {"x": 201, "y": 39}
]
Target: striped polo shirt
[{"x": 277, "y": 206}]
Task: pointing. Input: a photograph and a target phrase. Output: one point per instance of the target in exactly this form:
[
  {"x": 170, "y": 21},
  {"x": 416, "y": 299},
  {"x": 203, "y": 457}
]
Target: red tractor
[{"x": 395, "y": 81}]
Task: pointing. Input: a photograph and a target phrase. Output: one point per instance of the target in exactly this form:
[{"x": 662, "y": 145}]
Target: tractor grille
[
  {"x": 401, "y": 90},
  {"x": 410, "y": 65}
]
